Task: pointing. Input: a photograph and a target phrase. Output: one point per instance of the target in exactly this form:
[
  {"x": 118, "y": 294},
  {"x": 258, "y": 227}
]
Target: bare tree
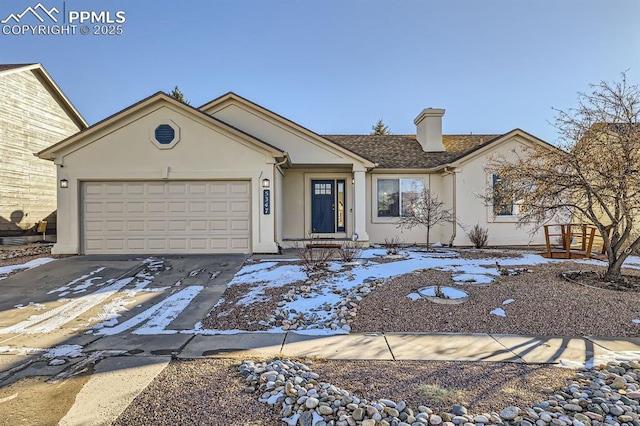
[
  {"x": 595, "y": 176},
  {"x": 426, "y": 210}
]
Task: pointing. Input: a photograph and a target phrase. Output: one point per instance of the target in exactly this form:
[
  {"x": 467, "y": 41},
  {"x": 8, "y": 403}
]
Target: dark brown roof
[
  {"x": 4, "y": 67},
  {"x": 405, "y": 152}
]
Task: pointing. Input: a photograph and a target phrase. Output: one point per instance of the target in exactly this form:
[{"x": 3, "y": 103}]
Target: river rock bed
[
  {"x": 13, "y": 252},
  {"x": 607, "y": 395},
  {"x": 342, "y": 314}
]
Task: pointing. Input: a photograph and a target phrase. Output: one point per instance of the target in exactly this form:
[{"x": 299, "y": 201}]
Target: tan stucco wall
[
  {"x": 302, "y": 149},
  {"x": 472, "y": 184},
  {"x": 30, "y": 120},
  {"x": 124, "y": 151}
]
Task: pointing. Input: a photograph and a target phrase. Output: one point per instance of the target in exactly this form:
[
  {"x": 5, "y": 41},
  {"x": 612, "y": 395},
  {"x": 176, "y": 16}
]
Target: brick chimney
[{"x": 429, "y": 129}]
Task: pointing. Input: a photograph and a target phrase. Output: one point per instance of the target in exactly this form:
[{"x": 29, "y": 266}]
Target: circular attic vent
[{"x": 165, "y": 134}]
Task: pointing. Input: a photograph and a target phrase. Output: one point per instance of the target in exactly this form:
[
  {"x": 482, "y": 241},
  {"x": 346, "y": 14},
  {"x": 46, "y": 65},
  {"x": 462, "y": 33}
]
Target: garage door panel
[
  {"x": 239, "y": 207},
  {"x": 135, "y": 207},
  {"x": 166, "y": 217}
]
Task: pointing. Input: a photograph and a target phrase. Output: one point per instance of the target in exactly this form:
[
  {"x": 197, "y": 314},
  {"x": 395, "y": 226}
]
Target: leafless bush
[
  {"x": 350, "y": 251},
  {"x": 392, "y": 245},
  {"x": 314, "y": 257},
  {"x": 478, "y": 236}
]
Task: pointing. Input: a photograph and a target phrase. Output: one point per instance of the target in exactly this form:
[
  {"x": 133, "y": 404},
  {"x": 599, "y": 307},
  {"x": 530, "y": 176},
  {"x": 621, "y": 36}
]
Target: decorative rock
[
  {"x": 358, "y": 414},
  {"x": 325, "y": 410},
  {"x": 616, "y": 410},
  {"x": 509, "y": 413},
  {"x": 387, "y": 402},
  {"x": 435, "y": 420},
  {"x": 459, "y": 410},
  {"x": 481, "y": 419},
  {"x": 369, "y": 422},
  {"x": 572, "y": 407},
  {"x": 311, "y": 403}
]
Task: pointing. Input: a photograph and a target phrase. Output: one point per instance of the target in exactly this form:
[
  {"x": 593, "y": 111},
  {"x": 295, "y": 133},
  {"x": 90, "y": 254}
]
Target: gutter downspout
[
  {"x": 275, "y": 221},
  {"x": 452, "y": 171}
]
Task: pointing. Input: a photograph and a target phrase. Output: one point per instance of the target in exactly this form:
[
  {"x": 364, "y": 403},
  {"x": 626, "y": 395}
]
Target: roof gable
[
  {"x": 106, "y": 124},
  {"x": 270, "y": 121},
  {"x": 51, "y": 85}
]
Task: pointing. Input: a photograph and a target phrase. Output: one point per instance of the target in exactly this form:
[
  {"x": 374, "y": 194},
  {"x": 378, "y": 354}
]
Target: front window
[
  {"x": 395, "y": 196},
  {"x": 502, "y": 201}
]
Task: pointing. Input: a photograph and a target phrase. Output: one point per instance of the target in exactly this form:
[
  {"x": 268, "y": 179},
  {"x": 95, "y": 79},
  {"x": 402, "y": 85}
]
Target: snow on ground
[
  {"x": 6, "y": 270},
  {"x": 499, "y": 312},
  {"x": 332, "y": 289}
]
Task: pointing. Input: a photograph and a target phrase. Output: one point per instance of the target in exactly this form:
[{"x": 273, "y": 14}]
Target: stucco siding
[
  {"x": 31, "y": 119},
  {"x": 301, "y": 148},
  {"x": 472, "y": 184},
  {"x": 125, "y": 151}
]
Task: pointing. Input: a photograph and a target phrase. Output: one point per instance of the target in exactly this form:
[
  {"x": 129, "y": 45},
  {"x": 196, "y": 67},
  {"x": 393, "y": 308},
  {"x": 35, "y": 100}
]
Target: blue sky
[{"x": 338, "y": 66}]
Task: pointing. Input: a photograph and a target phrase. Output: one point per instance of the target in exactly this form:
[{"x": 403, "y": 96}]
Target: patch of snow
[
  {"x": 274, "y": 277},
  {"x": 506, "y": 302},
  {"x": 255, "y": 295},
  {"x": 635, "y": 321},
  {"x": 499, "y": 312},
  {"x": 71, "y": 351},
  {"x": 55, "y": 318},
  {"x": 6, "y": 270},
  {"x": 479, "y": 279},
  {"x": 447, "y": 292},
  {"x": 158, "y": 317},
  {"x": 82, "y": 278},
  {"x": 57, "y": 361},
  {"x": 372, "y": 253},
  {"x": 414, "y": 296}
]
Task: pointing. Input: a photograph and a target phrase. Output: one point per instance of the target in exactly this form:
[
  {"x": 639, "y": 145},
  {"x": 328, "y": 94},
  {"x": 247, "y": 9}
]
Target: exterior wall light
[
  {"x": 64, "y": 183},
  {"x": 266, "y": 183}
]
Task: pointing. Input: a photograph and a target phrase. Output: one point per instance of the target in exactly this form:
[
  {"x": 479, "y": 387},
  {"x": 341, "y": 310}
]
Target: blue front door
[{"x": 323, "y": 206}]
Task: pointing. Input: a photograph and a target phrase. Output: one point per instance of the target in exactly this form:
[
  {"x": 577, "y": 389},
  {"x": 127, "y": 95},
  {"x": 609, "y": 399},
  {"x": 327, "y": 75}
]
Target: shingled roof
[
  {"x": 405, "y": 152},
  {"x": 4, "y": 67}
]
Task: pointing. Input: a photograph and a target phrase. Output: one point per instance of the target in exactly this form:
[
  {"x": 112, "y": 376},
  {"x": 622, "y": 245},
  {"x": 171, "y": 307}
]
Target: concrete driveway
[{"x": 72, "y": 314}]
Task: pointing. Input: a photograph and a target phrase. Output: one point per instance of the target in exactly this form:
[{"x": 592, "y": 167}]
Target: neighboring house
[
  {"x": 231, "y": 176},
  {"x": 34, "y": 113}
]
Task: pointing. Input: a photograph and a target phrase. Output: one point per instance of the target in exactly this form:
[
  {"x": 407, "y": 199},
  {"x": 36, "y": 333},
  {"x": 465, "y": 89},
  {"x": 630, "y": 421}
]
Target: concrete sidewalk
[
  {"x": 570, "y": 351},
  {"x": 132, "y": 374}
]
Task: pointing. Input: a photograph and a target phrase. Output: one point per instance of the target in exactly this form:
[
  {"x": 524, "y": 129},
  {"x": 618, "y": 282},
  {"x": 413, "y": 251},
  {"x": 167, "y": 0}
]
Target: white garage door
[{"x": 166, "y": 217}]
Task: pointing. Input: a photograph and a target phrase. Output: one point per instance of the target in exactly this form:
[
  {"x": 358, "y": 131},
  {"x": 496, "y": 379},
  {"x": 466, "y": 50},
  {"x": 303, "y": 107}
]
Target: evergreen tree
[
  {"x": 177, "y": 94},
  {"x": 380, "y": 128}
]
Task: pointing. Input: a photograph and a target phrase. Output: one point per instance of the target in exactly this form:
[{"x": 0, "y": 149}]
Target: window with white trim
[
  {"x": 395, "y": 196},
  {"x": 502, "y": 202}
]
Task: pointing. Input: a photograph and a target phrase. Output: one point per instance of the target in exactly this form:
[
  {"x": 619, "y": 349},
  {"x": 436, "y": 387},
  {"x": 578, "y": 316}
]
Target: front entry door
[{"x": 323, "y": 206}]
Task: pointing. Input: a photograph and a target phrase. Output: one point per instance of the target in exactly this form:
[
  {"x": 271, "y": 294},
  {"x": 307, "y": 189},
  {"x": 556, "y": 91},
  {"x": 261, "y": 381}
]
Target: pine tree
[
  {"x": 380, "y": 128},
  {"x": 177, "y": 94}
]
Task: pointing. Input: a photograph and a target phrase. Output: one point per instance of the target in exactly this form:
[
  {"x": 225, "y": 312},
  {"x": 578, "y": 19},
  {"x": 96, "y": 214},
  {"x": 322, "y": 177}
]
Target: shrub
[
  {"x": 350, "y": 251},
  {"x": 392, "y": 245},
  {"x": 313, "y": 258},
  {"x": 478, "y": 236}
]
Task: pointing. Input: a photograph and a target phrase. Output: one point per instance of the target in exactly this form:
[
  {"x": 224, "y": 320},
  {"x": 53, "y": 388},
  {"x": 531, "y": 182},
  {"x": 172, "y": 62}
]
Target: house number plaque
[{"x": 266, "y": 201}]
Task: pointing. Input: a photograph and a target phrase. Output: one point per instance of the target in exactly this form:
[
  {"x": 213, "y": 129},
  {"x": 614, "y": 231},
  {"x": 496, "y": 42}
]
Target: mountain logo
[{"x": 43, "y": 11}]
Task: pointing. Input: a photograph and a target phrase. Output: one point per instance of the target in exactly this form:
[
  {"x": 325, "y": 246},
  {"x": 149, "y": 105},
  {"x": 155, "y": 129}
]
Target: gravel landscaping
[
  {"x": 347, "y": 393},
  {"x": 527, "y": 298}
]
